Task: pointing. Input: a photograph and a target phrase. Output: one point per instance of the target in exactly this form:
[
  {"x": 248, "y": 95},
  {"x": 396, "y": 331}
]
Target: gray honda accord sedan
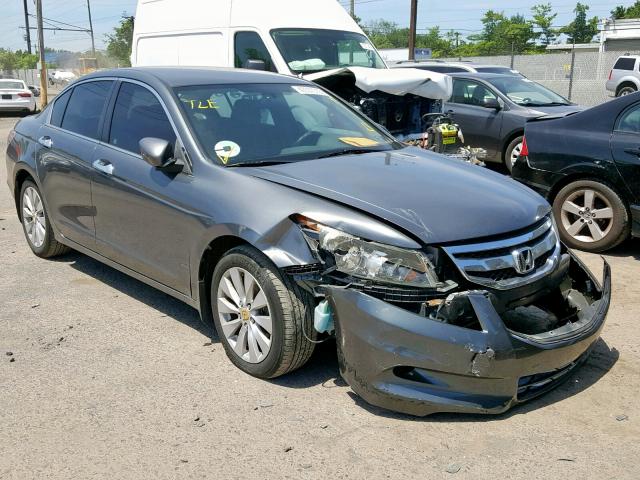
[{"x": 288, "y": 218}]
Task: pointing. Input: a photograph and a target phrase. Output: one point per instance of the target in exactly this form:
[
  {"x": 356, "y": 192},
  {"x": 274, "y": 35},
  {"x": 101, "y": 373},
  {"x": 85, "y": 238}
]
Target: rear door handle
[
  {"x": 45, "y": 141},
  {"x": 632, "y": 151},
  {"x": 103, "y": 166}
]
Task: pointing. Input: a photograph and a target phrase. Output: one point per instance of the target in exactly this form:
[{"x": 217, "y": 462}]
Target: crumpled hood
[
  {"x": 435, "y": 198},
  {"x": 400, "y": 81}
]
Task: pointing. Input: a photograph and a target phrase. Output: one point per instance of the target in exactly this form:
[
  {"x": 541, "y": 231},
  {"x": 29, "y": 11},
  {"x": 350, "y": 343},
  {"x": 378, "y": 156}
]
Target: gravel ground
[{"x": 109, "y": 378}]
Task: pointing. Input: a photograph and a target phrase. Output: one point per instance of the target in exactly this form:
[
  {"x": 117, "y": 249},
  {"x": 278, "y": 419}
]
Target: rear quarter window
[{"x": 625, "y": 63}]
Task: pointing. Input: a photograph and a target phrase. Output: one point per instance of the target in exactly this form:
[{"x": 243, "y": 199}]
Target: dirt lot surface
[{"x": 109, "y": 378}]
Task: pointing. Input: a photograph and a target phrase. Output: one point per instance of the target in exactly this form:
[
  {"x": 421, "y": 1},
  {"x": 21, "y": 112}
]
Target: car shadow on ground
[
  {"x": 602, "y": 359},
  {"x": 628, "y": 249},
  {"x": 322, "y": 368},
  {"x": 140, "y": 291}
]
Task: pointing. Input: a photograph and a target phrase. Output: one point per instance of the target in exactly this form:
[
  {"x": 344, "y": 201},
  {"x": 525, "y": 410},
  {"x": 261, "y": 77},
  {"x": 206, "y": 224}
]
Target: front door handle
[
  {"x": 45, "y": 141},
  {"x": 103, "y": 166},
  {"x": 632, "y": 151}
]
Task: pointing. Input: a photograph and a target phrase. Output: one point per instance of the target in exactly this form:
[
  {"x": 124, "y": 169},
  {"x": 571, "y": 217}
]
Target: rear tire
[
  {"x": 282, "y": 343},
  {"x": 626, "y": 90},
  {"x": 513, "y": 152},
  {"x": 36, "y": 224},
  {"x": 585, "y": 201}
]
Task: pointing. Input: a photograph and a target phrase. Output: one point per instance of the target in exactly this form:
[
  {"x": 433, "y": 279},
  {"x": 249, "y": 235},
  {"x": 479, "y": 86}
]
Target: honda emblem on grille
[{"x": 523, "y": 260}]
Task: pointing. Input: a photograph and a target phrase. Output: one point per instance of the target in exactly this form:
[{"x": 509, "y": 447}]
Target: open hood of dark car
[{"x": 435, "y": 198}]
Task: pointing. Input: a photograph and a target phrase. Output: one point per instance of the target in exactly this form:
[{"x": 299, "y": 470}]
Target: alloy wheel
[
  {"x": 35, "y": 223},
  {"x": 515, "y": 153},
  {"x": 587, "y": 215},
  {"x": 245, "y": 315}
]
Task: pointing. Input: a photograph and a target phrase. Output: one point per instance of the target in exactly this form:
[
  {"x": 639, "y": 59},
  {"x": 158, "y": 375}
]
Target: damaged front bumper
[{"x": 405, "y": 362}]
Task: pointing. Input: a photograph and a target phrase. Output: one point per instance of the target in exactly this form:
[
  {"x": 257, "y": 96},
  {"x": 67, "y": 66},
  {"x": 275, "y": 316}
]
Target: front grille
[
  {"x": 304, "y": 269},
  {"x": 494, "y": 263}
]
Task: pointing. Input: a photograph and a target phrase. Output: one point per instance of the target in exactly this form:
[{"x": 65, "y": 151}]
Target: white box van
[{"x": 313, "y": 38}]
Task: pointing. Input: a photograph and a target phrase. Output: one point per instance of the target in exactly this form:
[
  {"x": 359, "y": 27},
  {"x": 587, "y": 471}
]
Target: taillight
[
  {"x": 610, "y": 74},
  {"x": 524, "y": 151},
  {"x": 24, "y": 94}
]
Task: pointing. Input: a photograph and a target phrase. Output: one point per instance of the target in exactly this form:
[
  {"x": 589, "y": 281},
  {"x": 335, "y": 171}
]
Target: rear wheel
[
  {"x": 36, "y": 224},
  {"x": 512, "y": 153},
  {"x": 263, "y": 318},
  {"x": 591, "y": 216},
  {"x": 626, "y": 90}
]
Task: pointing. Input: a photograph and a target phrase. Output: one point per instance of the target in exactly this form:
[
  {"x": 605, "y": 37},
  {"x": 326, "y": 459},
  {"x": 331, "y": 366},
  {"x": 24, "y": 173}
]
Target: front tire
[
  {"x": 512, "y": 153},
  {"x": 36, "y": 224},
  {"x": 591, "y": 216},
  {"x": 263, "y": 319}
]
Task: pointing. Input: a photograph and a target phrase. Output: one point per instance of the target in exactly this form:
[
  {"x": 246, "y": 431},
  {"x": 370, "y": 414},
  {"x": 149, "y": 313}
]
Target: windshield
[
  {"x": 13, "y": 85},
  {"x": 307, "y": 51},
  {"x": 239, "y": 125},
  {"x": 527, "y": 93}
]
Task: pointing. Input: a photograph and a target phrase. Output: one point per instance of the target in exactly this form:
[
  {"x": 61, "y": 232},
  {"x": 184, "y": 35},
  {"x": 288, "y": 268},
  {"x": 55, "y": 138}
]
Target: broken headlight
[{"x": 370, "y": 260}]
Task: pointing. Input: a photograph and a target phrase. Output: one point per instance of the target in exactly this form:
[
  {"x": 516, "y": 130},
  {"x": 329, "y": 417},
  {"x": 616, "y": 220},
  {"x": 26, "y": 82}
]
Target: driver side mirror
[
  {"x": 492, "y": 103},
  {"x": 254, "y": 64},
  {"x": 159, "y": 154}
]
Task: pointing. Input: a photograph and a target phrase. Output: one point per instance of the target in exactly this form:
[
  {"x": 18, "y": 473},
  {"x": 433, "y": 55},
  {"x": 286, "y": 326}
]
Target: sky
[{"x": 461, "y": 15}]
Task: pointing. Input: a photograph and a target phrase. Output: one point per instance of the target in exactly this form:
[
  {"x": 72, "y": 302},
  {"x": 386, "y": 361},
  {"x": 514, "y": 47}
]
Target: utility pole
[
  {"x": 43, "y": 65},
  {"x": 26, "y": 25},
  {"x": 352, "y": 9},
  {"x": 93, "y": 43},
  {"x": 412, "y": 29}
]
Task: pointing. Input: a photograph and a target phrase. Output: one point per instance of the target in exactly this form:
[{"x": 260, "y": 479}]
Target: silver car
[{"x": 624, "y": 77}]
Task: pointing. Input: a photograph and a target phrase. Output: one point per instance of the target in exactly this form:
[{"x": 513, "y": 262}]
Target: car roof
[
  {"x": 479, "y": 75},
  {"x": 423, "y": 63},
  {"x": 190, "y": 76}
]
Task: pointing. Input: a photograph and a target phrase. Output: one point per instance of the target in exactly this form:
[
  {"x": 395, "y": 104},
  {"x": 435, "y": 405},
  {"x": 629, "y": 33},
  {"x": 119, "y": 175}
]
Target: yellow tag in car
[{"x": 358, "y": 141}]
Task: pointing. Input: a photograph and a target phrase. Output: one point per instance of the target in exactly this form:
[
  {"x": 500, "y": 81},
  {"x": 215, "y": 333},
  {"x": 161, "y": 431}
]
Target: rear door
[
  {"x": 67, "y": 145},
  {"x": 480, "y": 126},
  {"x": 625, "y": 147},
  {"x": 139, "y": 222}
]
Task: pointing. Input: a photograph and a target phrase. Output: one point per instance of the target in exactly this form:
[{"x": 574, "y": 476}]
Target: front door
[
  {"x": 625, "y": 148},
  {"x": 139, "y": 224},
  {"x": 67, "y": 145},
  {"x": 480, "y": 126}
]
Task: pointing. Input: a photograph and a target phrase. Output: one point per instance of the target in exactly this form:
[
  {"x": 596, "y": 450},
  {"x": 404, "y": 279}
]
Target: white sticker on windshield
[
  {"x": 366, "y": 45},
  {"x": 227, "y": 149},
  {"x": 309, "y": 90}
]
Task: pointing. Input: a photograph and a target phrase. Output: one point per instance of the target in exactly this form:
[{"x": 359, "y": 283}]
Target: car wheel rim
[
  {"x": 587, "y": 216},
  {"x": 245, "y": 315},
  {"x": 515, "y": 153},
  {"x": 35, "y": 224}
]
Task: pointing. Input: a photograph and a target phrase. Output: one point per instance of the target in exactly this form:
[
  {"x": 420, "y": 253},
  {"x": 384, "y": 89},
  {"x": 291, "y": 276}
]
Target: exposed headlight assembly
[{"x": 370, "y": 260}]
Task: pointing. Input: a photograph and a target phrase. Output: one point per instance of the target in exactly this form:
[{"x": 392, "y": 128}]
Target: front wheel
[
  {"x": 591, "y": 216},
  {"x": 512, "y": 152},
  {"x": 263, "y": 319}
]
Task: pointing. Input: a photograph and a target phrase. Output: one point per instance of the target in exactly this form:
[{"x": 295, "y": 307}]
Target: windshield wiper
[
  {"x": 549, "y": 104},
  {"x": 350, "y": 151}
]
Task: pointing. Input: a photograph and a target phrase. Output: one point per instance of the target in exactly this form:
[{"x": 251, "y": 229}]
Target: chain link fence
[
  {"x": 583, "y": 84},
  {"x": 30, "y": 76}
]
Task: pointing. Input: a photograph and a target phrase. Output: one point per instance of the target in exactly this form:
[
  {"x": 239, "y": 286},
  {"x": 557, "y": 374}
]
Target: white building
[{"x": 620, "y": 35}]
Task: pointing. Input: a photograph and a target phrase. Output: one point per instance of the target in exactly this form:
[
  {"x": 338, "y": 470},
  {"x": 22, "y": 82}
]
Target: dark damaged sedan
[{"x": 285, "y": 217}]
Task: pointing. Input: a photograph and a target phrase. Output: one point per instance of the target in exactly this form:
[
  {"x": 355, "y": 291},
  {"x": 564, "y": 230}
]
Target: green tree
[
  {"x": 502, "y": 35},
  {"x": 621, "y": 12},
  {"x": 581, "y": 29},
  {"x": 543, "y": 19},
  {"x": 120, "y": 41}
]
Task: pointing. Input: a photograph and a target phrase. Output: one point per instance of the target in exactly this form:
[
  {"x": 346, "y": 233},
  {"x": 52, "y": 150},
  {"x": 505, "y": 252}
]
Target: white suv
[{"x": 624, "y": 77}]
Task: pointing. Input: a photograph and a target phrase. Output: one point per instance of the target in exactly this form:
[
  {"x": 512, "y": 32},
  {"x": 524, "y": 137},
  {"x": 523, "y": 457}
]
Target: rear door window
[
  {"x": 138, "y": 114},
  {"x": 625, "y": 63},
  {"x": 59, "y": 107},
  {"x": 629, "y": 121},
  {"x": 249, "y": 46},
  {"x": 85, "y": 109}
]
